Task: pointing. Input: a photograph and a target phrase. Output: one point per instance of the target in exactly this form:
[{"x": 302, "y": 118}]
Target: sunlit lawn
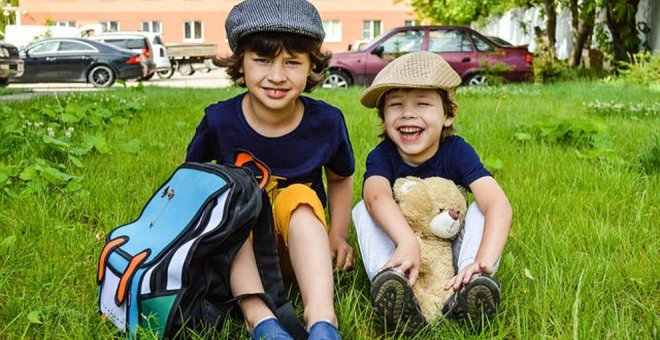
[{"x": 580, "y": 261}]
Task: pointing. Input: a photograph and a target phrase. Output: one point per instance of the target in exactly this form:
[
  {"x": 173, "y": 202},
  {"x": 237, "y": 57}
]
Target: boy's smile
[{"x": 413, "y": 120}]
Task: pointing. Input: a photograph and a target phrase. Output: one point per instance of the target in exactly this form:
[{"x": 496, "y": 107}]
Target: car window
[
  {"x": 481, "y": 44},
  {"x": 74, "y": 46},
  {"x": 47, "y": 47},
  {"x": 449, "y": 41},
  {"x": 131, "y": 44},
  {"x": 403, "y": 42}
]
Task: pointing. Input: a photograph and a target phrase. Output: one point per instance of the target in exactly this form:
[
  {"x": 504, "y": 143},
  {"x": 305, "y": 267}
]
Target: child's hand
[
  {"x": 465, "y": 275},
  {"x": 342, "y": 253},
  {"x": 406, "y": 260}
]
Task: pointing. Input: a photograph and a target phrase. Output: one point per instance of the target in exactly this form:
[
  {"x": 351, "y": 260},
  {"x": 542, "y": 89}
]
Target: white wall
[{"x": 517, "y": 26}]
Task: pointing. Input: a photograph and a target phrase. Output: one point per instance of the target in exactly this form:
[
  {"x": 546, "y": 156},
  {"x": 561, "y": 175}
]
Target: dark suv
[
  {"x": 469, "y": 53},
  {"x": 11, "y": 65}
]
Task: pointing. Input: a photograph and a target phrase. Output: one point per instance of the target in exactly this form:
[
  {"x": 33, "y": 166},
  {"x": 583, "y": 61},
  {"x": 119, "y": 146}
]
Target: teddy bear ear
[{"x": 405, "y": 187}]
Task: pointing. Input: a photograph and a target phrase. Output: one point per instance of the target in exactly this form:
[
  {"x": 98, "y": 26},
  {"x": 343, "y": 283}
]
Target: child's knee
[{"x": 299, "y": 200}]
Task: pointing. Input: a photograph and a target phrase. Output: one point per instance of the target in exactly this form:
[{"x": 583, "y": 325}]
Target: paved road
[{"x": 216, "y": 78}]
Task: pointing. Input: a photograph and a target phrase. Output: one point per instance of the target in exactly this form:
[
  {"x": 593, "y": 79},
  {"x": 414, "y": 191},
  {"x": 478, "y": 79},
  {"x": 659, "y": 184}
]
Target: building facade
[{"x": 202, "y": 21}]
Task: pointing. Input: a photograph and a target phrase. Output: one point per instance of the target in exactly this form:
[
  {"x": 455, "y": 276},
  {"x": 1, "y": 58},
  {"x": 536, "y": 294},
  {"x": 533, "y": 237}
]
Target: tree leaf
[
  {"x": 132, "y": 146},
  {"x": 34, "y": 317},
  {"x": 8, "y": 243},
  {"x": 528, "y": 274}
]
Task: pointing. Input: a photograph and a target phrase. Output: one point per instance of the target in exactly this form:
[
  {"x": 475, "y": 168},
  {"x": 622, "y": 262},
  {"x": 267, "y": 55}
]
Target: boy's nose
[
  {"x": 408, "y": 112},
  {"x": 276, "y": 73}
]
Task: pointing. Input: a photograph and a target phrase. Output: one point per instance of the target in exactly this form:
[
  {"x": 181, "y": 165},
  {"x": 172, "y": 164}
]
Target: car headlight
[{"x": 4, "y": 52}]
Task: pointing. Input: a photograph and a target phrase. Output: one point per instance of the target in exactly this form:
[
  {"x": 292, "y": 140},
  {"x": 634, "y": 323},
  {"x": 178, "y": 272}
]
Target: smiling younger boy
[
  {"x": 414, "y": 95},
  {"x": 276, "y": 56}
]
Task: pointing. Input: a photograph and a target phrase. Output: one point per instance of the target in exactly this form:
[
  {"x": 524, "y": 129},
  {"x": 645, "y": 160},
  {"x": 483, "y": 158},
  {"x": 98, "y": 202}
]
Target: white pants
[{"x": 376, "y": 246}]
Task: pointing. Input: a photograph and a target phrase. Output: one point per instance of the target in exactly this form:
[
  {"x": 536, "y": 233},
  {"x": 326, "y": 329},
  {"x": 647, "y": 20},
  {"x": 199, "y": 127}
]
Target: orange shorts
[{"x": 287, "y": 200}]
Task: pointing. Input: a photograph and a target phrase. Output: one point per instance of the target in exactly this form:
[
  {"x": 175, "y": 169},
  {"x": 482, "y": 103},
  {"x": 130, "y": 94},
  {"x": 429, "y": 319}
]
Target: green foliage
[
  {"x": 571, "y": 132},
  {"x": 644, "y": 69},
  {"x": 576, "y": 264},
  {"x": 547, "y": 69},
  {"x": 44, "y": 143}
]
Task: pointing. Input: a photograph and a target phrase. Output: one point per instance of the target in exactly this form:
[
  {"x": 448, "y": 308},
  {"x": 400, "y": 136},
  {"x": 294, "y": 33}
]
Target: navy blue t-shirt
[
  {"x": 320, "y": 140},
  {"x": 455, "y": 160}
]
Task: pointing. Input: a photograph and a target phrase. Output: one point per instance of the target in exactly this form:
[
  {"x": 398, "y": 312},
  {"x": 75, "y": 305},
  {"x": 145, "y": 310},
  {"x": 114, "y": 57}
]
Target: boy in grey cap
[{"x": 276, "y": 57}]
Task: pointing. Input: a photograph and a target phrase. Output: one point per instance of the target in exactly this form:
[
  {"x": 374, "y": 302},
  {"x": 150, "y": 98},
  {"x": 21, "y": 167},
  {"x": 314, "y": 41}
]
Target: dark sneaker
[
  {"x": 394, "y": 301},
  {"x": 475, "y": 303}
]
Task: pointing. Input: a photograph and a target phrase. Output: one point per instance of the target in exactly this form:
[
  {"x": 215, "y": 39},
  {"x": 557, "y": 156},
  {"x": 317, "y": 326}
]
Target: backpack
[{"x": 169, "y": 269}]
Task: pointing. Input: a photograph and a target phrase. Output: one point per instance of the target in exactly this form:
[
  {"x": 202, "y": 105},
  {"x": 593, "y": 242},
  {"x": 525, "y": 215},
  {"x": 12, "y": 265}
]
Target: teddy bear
[{"x": 435, "y": 208}]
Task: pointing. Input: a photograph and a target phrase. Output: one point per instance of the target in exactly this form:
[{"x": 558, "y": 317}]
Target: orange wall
[{"x": 173, "y": 13}]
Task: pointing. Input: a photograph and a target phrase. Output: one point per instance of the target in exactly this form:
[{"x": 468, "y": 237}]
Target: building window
[
  {"x": 65, "y": 23},
  {"x": 332, "y": 30},
  {"x": 110, "y": 26},
  {"x": 193, "y": 31},
  {"x": 151, "y": 26},
  {"x": 411, "y": 23},
  {"x": 371, "y": 29}
]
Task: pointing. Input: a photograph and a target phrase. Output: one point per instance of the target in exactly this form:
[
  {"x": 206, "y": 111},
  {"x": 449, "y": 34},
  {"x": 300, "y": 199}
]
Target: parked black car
[
  {"x": 11, "y": 65},
  {"x": 78, "y": 60}
]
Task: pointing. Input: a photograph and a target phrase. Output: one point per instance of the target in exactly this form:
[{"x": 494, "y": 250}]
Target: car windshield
[{"x": 157, "y": 40}]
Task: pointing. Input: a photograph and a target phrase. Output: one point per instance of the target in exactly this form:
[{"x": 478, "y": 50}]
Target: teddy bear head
[{"x": 434, "y": 206}]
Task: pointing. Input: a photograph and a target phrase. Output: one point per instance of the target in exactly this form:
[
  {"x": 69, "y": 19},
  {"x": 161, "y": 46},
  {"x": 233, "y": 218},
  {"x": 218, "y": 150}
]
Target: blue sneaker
[
  {"x": 270, "y": 329},
  {"x": 323, "y": 330}
]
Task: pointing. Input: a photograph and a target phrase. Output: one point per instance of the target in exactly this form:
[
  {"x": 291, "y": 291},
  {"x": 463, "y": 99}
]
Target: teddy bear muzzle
[{"x": 445, "y": 224}]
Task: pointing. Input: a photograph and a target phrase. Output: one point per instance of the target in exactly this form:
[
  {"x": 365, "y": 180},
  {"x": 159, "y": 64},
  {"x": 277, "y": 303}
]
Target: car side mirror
[{"x": 378, "y": 50}]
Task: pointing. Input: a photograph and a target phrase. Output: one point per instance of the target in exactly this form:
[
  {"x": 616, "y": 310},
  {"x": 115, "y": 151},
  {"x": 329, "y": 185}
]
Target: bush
[
  {"x": 644, "y": 69},
  {"x": 549, "y": 70}
]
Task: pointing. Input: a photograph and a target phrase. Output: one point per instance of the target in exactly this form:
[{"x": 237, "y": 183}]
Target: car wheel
[
  {"x": 167, "y": 74},
  {"x": 336, "y": 79},
  {"x": 148, "y": 77},
  {"x": 4, "y": 82},
  {"x": 101, "y": 76},
  {"x": 186, "y": 69},
  {"x": 477, "y": 80}
]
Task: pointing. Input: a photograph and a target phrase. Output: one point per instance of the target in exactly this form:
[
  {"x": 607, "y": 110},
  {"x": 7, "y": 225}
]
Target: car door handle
[
  {"x": 50, "y": 58},
  {"x": 466, "y": 60}
]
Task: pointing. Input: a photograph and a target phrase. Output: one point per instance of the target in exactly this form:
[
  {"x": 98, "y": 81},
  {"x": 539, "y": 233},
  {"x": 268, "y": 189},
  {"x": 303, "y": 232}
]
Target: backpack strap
[
  {"x": 245, "y": 157},
  {"x": 265, "y": 251}
]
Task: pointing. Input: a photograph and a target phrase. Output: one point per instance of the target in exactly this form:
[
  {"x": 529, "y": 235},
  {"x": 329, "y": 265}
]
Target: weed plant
[{"x": 580, "y": 261}]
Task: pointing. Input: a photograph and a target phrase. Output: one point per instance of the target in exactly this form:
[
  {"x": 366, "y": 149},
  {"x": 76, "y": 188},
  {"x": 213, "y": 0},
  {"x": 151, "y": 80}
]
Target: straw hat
[{"x": 419, "y": 70}]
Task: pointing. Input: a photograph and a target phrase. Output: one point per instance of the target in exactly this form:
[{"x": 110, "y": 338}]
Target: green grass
[
  {"x": 4, "y": 91},
  {"x": 580, "y": 261}
]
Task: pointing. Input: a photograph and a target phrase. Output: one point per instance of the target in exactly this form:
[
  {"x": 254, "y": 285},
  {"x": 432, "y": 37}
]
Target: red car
[{"x": 464, "y": 49}]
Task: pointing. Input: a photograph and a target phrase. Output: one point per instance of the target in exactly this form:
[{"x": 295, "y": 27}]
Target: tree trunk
[
  {"x": 582, "y": 26},
  {"x": 620, "y": 18},
  {"x": 551, "y": 26}
]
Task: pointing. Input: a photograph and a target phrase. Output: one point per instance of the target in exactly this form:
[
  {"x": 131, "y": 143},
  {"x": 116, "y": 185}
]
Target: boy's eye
[
  {"x": 260, "y": 60},
  {"x": 391, "y": 104},
  {"x": 423, "y": 104}
]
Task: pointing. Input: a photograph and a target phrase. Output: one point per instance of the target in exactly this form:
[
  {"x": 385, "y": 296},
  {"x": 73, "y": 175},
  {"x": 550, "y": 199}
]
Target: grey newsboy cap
[{"x": 289, "y": 16}]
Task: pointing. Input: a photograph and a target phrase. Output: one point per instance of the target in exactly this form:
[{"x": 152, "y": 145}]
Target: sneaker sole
[
  {"x": 479, "y": 300},
  {"x": 395, "y": 302}
]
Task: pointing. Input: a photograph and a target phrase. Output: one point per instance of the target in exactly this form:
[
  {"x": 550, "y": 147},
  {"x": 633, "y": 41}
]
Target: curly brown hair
[
  {"x": 271, "y": 44},
  {"x": 449, "y": 106}
]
